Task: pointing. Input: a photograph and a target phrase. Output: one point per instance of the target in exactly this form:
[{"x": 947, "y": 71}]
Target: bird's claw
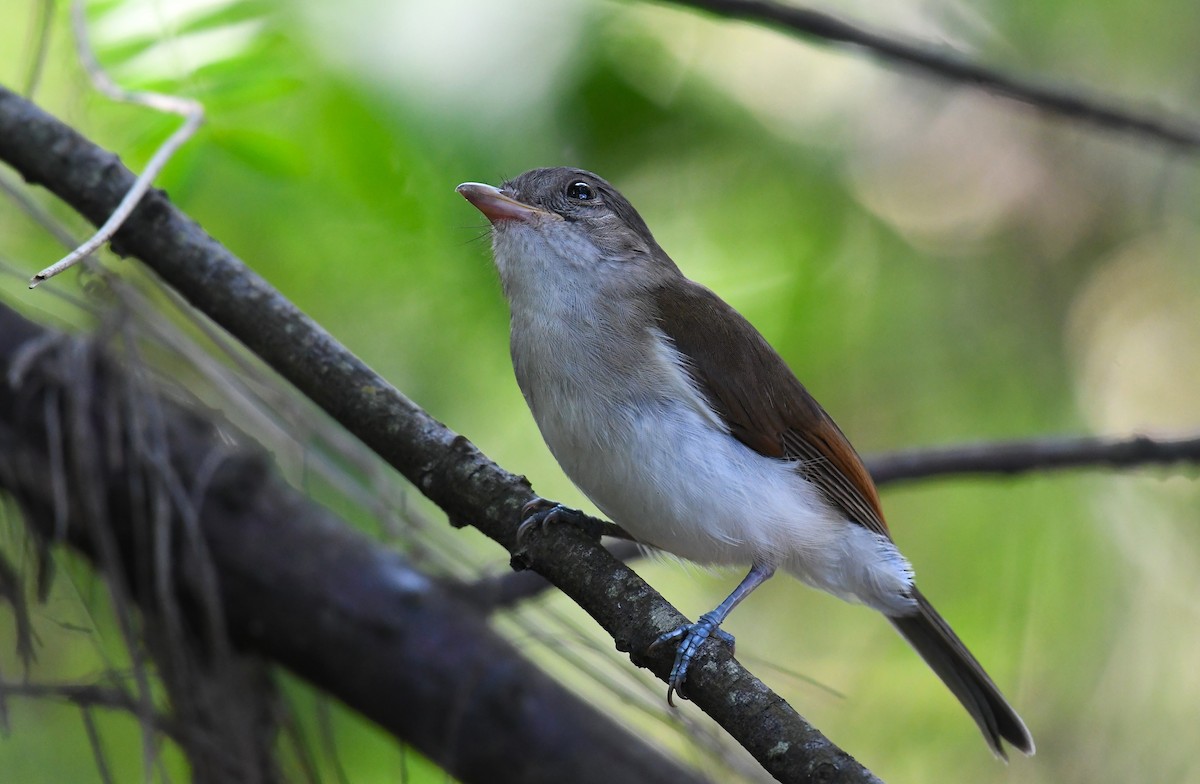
[
  {"x": 540, "y": 511},
  {"x": 690, "y": 636}
]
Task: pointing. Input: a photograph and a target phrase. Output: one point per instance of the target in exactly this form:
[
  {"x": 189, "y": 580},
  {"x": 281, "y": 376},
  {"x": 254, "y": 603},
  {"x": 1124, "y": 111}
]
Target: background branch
[
  {"x": 1067, "y": 103},
  {"x": 1038, "y": 454},
  {"x": 297, "y": 586},
  {"x": 443, "y": 465}
]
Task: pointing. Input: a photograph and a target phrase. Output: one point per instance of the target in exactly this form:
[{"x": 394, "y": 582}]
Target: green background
[{"x": 938, "y": 266}]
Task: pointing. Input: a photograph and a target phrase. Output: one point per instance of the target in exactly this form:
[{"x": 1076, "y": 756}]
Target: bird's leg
[
  {"x": 693, "y": 635},
  {"x": 540, "y": 511}
]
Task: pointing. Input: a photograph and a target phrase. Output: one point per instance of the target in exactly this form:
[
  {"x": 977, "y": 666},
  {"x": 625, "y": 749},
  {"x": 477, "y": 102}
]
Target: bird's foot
[
  {"x": 690, "y": 637},
  {"x": 540, "y": 511}
]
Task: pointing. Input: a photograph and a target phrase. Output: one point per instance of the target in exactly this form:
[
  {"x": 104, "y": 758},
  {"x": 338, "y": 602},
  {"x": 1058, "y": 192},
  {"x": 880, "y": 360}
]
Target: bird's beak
[{"x": 496, "y": 206}]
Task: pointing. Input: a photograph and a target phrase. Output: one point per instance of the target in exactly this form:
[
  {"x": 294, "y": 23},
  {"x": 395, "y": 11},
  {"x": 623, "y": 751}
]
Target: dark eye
[{"x": 580, "y": 191}]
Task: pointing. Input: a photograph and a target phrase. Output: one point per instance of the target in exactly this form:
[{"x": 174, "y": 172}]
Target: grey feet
[{"x": 690, "y": 636}]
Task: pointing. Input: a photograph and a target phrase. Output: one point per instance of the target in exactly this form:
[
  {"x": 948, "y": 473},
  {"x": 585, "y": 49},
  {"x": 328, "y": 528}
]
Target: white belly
[{"x": 672, "y": 480}]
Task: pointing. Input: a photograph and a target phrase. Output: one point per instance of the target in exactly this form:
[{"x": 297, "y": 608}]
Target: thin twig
[
  {"x": 35, "y": 211},
  {"x": 1018, "y": 457},
  {"x": 192, "y": 112},
  {"x": 88, "y": 695},
  {"x": 98, "y": 753},
  {"x": 1056, "y": 100},
  {"x": 40, "y": 36}
]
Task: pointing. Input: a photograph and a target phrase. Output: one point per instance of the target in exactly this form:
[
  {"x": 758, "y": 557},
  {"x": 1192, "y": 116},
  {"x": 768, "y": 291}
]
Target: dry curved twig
[{"x": 191, "y": 111}]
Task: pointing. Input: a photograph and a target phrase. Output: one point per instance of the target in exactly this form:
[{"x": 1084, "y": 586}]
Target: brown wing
[{"x": 765, "y": 406}]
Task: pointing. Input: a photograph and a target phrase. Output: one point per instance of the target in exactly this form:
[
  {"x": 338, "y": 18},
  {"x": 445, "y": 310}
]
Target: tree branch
[
  {"x": 1057, "y": 101},
  {"x": 445, "y": 466},
  {"x": 1019, "y": 457}
]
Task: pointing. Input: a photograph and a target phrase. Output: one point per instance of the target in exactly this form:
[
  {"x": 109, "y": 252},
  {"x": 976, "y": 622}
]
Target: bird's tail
[{"x": 941, "y": 649}]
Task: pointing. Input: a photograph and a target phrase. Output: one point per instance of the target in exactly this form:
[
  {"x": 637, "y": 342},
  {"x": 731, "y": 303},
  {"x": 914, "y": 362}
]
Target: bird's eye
[{"x": 580, "y": 191}]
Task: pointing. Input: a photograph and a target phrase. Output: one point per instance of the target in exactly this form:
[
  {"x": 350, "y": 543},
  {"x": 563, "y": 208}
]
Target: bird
[{"x": 683, "y": 425}]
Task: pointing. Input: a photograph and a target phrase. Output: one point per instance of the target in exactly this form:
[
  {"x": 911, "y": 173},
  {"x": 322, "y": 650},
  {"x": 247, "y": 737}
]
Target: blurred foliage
[{"x": 938, "y": 266}]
